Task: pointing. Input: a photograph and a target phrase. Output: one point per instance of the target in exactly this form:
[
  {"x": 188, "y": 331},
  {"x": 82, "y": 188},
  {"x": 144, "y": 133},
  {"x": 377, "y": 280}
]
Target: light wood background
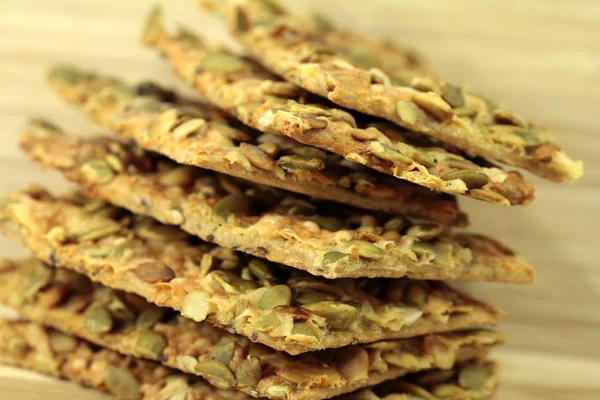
[{"x": 541, "y": 57}]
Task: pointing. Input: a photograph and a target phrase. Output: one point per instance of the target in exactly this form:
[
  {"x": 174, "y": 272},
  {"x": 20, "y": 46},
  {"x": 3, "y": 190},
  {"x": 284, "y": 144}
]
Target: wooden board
[{"x": 541, "y": 57}]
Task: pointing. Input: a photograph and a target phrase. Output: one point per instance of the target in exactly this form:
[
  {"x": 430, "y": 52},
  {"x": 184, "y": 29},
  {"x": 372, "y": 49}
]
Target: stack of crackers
[{"x": 286, "y": 238}]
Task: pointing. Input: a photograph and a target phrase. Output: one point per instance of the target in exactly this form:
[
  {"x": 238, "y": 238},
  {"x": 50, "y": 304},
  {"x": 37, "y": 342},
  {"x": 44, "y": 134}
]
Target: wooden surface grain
[{"x": 541, "y": 57}]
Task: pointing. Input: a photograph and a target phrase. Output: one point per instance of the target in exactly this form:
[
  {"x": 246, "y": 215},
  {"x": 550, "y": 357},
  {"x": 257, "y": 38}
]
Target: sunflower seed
[
  {"x": 302, "y": 372},
  {"x": 260, "y": 270},
  {"x": 179, "y": 176},
  {"x": 257, "y": 157},
  {"x": 425, "y": 230},
  {"x": 388, "y": 153},
  {"x": 415, "y": 295},
  {"x": 395, "y": 224},
  {"x": 233, "y": 284}
]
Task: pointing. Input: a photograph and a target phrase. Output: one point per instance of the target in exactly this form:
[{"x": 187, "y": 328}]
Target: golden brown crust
[
  {"x": 198, "y": 135},
  {"x": 281, "y": 307},
  {"x": 280, "y": 227},
  {"x": 131, "y": 326},
  {"x": 262, "y": 101},
  {"x": 426, "y": 105},
  {"x": 28, "y": 345}
]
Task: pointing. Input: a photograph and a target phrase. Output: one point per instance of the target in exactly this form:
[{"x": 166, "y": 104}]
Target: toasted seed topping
[
  {"x": 178, "y": 176},
  {"x": 97, "y": 233},
  {"x": 473, "y": 179},
  {"x": 407, "y": 112},
  {"x": 353, "y": 363},
  {"x": 332, "y": 257},
  {"x": 122, "y": 383},
  {"x": 163, "y": 233},
  {"x": 233, "y": 284},
  {"x": 188, "y": 128},
  {"x": 61, "y": 343},
  {"x": 367, "y": 249},
  {"x": 434, "y": 105},
  {"x": 267, "y": 323},
  {"x": 453, "y": 96},
  {"x": 222, "y": 62},
  {"x": 216, "y": 373},
  {"x": 396, "y": 224},
  {"x": 302, "y": 328},
  {"x": 300, "y": 162},
  {"x": 149, "y": 317},
  {"x": 276, "y": 296},
  {"x": 232, "y": 204},
  {"x": 195, "y": 306},
  {"x": 97, "y": 171},
  {"x": 260, "y": 269},
  {"x": 154, "y": 271},
  {"x": 152, "y": 342},
  {"x": 299, "y": 372},
  {"x": 257, "y": 156},
  {"x": 337, "y": 314},
  {"x": 97, "y": 319},
  {"x": 248, "y": 372},
  {"x": 529, "y": 136},
  {"x": 388, "y": 153},
  {"x": 473, "y": 377},
  {"x": 415, "y": 295},
  {"x": 224, "y": 353},
  {"x": 425, "y": 230}
]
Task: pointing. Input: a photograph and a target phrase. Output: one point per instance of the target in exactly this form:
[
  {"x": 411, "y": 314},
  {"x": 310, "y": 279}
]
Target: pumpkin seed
[
  {"x": 122, "y": 383},
  {"x": 257, "y": 157},
  {"x": 187, "y": 363},
  {"x": 313, "y": 296},
  {"x": 367, "y": 249},
  {"x": 435, "y": 377},
  {"x": 267, "y": 323},
  {"x": 332, "y": 224},
  {"x": 195, "y": 305},
  {"x": 415, "y": 154},
  {"x": 453, "y": 96},
  {"x": 187, "y": 128},
  {"x": 353, "y": 363},
  {"x": 472, "y": 179},
  {"x": 388, "y": 153},
  {"x": 473, "y": 377},
  {"x": 41, "y": 277},
  {"x": 154, "y": 271},
  {"x": 395, "y": 224},
  {"x": 224, "y": 353},
  {"x": 97, "y": 171},
  {"x": 299, "y": 162},
  {"x": 299, "y": 372},
  {"x": 149, "y": 317},
  {"x": 97, "y": 319},
  {"x": 530, "y": 137},
  {"x": 248, "y": 372},
  {"x": 152, "y": 342},
  {"x": 260, "y": 270},
  {"x": 282, "y": 89},
  {"x": 179, "y": 176},
  {"x": 232, "y": 204},
  {"x": 458, "y": 162},
  {"x": 503, "y": 116},
  {"x": 333, "y": 257},
  {"x": 337, "y": 314},
  {"x": 97, "y": 233},
  {"x": 231, "y": 283},
  {"x": 161, "y": 233},
  {"x": 424, "y": 84},
  {"x": 407, "y": 112},
  {"x": 367, "y": 134},
  {"x": 467, "y": 112},
  {"x": 278, "y": 391},
  {"x": 425, "y": 230},
  {"x": 222, "y": 62},
  {"x": 216, "y": 373},
  {"x": 434, "y": 105},
  {"x": 61, "y": 343},
  {"x": 415, "y": 295},
  {"x": 302, "y": 328},
  {"x": 272, "y": 149},
  {"x": 275, "y": 296},
  {"x": 423, "y": 250},
  {"x": 308, "y": 152},
  {"x": 114, "y": 162},
  {"x": 127, "y": 327}
]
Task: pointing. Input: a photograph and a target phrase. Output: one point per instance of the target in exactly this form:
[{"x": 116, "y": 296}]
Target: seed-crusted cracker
[
  {"x": 312, "y": 236},
  {"x": 199, "y": 135},
  {"x": 262, "y": 101},
  {"x": 281, "y": 307},
  {"x": 28, "y": 345},
  {"x": 68, "y": 302},
  {"x": 426, "y": 105}
]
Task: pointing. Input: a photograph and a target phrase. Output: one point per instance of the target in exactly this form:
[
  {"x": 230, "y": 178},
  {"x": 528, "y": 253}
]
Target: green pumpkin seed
[
  {"x": 472, "y": 179},
  {"x": 424, "y": 84},
  {"x": 415, "y": 154},
  {"x": 222, "y": 62},
  {"x": 257, "y": 157},
  {"x": 267, "y": 323},
  {"x": 467, "y": 112},
  {"x": 313, "y": 296},
  {"x": 415, "y": 295},
  {"x": 303, "y": 328},
  {"x": 502, "y": 116},
  {"x": 41, "y": 277},
  {"x": 122, "y": 383},
  {"x": 195, "y": 305},
  {"x": 407, "y": 112},
  {"x": 152, "y": 342},
  {"x": 114, "y": 162},
  {"x": 434, "y": 105},
  {"x": 332, "y": 224},
  {"x": 272, "y": 149},
  {"x": 473, "y": 377},
  {"x": 260, "y": 270},
  {"x": 154, "y": 271},
  {"x": 161, "y": 232},
  {"x": 248, "y": 372},
  {"x": 530, "y": 137},
  {"x": 224, "y": 353},
  {"x": 435, "y": 377},
  {"x": 179, "y": 176},
  {"x": 299, "y": 372},
  {"x": 127, "y": 327},
  {"x": 458, "y": 162},
  {"x": 395, "y": 224},
  {"x": 275, "y": 296},
  {"x": 367, "y": 249},
  {"x": 187, "y": 363},
  {"x": 97, "y": 171},
  {"x": 232, "y": 204},
  {"x": 453, "y": 96},
  {"x": 97, "y": 319},
  {"x": 216, "y": 373},
  {"x": 149, "y": 317},
  {"x": 188, "y": 128},
  {"x": 299, "y": 162},
  {"x": 67, "y": 74},
  {"x": 61, "y": 343},
  {"x": 423, "y": 250},
  {"x": 97, "y": 233},
  {"x": 333, "y": 257},
  {"x": 338, "y": 315},
  {"x": 233, "y": 284},
  {"x": 425, "y": 230},
  {"x": 388, "y": 153}
]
